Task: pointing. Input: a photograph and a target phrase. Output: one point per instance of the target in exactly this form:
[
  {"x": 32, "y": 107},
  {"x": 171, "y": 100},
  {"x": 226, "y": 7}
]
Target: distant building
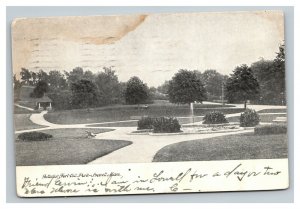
[{"x": 43, "y": 103}]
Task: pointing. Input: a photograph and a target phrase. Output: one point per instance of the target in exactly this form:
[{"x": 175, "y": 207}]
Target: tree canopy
[
  {"x": 242, "y": 85},
  {"x": 136, "y": 91},
  {"x": 40, "y": 89},
  {"x": 185, "y": 87},
  {"x": 84, "y": 94},
  {"x": 271, "y": 76},
  {"x": 213, "y": 82}
]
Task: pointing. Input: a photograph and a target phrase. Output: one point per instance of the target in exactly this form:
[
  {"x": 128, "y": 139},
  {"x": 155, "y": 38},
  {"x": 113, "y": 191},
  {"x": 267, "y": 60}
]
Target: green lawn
[
  {"x": 134, "y": 123},
  {"x": 22, "y": 122},
  {"x": 263, "y": 118},
  {"x": 273, "y": 111},
  {"x": 124, "y": 112},
  {"x": 233, "y": 147},
  {"x": 19, "y": 110},
  {"x": 67, "y": 147}
]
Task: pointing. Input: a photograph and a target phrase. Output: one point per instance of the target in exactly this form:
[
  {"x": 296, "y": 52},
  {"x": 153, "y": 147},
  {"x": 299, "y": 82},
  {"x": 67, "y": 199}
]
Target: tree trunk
[{"x": 245, "y": 104}]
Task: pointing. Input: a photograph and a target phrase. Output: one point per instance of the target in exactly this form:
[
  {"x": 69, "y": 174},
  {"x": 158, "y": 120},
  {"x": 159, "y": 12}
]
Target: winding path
[{"x": 144, "y": 147}]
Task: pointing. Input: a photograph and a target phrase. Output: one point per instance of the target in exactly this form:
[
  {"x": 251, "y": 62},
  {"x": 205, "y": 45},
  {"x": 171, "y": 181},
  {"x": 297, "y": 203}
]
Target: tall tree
[
  {"x": 25, "y": 76},
  {"x": 136, "y": 91},
  {"x": 185, "y": 88},
  {"x": 271, "y": 77},
  {"x": 164, "y": 87},
  {"x": 75, "y": 75},
  {"x": 213, "y": 82},
  {"x": 108, "y": 86},
  {"x": 242, "y": 85},
  {"x": 279, "y": 72},
  {"x": 84, "y": 94},
  {"x": 56, "y": 80},
  {"x": 42, "y": 76},
  {"x": 34, "y": 78},
  {"x": 40, "y": 89},
  {"x": 17, "y": 87}
]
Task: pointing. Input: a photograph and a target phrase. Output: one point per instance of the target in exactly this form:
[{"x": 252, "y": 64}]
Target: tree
[
  {"x": 40, "y": 89},
  {"x": 108, "y": 86},
  {"x": 163, "y": 88},
  {"x": 56, "y": 80},
  {"x": 136, "y": 91},
  {"x": 84, "y": 94},
  {"x": 34, "y": 78},
  {"x": 75, "y": 75},
  {"x": 25, "y": 76},
  {"x": 185, "y": 88},
  {"x": 213, "y": 82},
  {"x": 279, "y": 73},
  {"x": 242, "y": 85},
  {"x": 17, "y": 87},
  {"x": 42, "y": 76},
  {"x": 271, "y": 77},
  {"x": 262, "y": 71}
]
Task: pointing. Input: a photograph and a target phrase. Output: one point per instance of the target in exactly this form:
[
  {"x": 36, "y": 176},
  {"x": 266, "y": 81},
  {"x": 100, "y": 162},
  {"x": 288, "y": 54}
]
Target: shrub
[
  {"x": 34, "y": 136},
  {"x": 145, "y": 123},
  {"x": 214, "y": 117},
  {"x": 249, "y": 118},
  {"x": 270, "y": 129},
  {"x": 166, "y": 125}
]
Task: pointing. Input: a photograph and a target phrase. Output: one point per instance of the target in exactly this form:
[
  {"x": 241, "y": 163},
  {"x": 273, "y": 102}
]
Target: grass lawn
[
  {"x": 124, "y": 112},
  {"x": 22, "y": 122},
  {"x": 233, "y": 147},
  {"x": 263, "y": 118},
  {"x": 68, "y": 146},
  {"x": 19, "y": 110},
  {"x": 273, "y": 111},
  {"x": 134, "y": 123}
]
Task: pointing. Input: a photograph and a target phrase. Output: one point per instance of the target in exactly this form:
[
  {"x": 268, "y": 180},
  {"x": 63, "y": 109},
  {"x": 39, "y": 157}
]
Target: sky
[{"x": 151, "y": 46}]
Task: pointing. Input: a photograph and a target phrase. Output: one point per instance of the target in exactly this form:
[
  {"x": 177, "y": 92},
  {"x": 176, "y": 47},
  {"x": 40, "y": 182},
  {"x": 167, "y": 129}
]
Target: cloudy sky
[{"x": 153, "y": 47}]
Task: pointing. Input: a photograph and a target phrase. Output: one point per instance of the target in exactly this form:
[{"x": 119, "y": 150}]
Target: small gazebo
[{"x": 44, "y": 103}]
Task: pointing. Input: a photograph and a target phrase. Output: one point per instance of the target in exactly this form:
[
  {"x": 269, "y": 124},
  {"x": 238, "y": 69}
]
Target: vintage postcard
[{"x": 150, "y": 103}]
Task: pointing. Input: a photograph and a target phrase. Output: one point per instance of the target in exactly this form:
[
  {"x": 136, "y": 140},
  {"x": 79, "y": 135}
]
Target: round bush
[
  {"x": 249, "y": 118},
  {"x": 166, "y": 125},
  {"x": 145, "y": 123},
  {"x": 34, "y": 136},
  {"x": 214, "y": 117}
]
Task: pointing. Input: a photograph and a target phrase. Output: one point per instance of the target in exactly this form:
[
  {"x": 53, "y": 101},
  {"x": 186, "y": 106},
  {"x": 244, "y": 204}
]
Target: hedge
[
  {"x": 34, "y": 136},
  {"x": 214, "y": 117},
  {"x": 270, "y": 129}
]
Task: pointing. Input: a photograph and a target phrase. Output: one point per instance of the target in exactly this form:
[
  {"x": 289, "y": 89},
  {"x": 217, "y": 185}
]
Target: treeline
[
  {"x": 84, "y": 89},
  {"x": 263, "y": 82}
]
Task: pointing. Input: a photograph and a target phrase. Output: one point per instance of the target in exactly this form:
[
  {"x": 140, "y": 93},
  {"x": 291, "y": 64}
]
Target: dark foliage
[
  {"x": 166, "y": 125},
  {"x": 84, "y": 94},
  {"x": 270, "y": 129},
  {"x": 34, "y": 136},
  {"x": 145, "y": 123},
  {"x": 62, "y": 100},
  {"x": 242, "y": 85},
  {"x": 40, "y": 89},
  {"x": 185, "y": 87},
  {"x": 136, "y": 91},
  {"x": 249, "y": 118},
  {"x": 214, "y": 117}
]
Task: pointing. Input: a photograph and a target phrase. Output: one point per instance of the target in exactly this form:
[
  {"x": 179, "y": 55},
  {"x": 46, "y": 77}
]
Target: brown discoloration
[{"x": 29, "y": 33}]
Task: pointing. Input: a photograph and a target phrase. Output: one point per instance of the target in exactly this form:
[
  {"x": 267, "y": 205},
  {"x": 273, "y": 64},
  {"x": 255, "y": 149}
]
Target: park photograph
[{"x": 149, "y": 88}]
